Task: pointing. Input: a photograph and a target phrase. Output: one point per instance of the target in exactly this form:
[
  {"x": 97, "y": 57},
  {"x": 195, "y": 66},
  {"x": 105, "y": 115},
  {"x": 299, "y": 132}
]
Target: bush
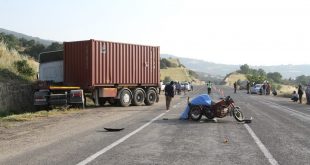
[
  {"x": 167, "y": 79},
  {"x": 23, "y": 68}
]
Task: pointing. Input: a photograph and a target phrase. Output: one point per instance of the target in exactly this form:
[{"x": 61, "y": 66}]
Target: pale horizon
[{"x": 257, "y": 33}]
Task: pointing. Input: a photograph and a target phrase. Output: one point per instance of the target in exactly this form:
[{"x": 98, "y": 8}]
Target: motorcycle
[{"x": 219, "y": 109}]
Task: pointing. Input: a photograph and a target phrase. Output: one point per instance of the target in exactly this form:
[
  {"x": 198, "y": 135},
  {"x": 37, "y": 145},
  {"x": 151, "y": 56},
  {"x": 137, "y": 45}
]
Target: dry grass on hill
[
  {"x": 234, "y": 77},
  {"x": 7, "y": 59},
  {"x": 176, "y": 74}
]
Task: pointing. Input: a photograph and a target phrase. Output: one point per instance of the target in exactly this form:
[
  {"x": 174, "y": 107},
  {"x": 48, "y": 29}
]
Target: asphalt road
[{"x": 278, "y": 134}]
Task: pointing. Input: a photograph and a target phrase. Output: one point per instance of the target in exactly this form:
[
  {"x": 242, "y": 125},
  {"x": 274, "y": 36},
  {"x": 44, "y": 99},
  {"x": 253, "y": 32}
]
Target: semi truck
[{"x": 118, "y": 73}]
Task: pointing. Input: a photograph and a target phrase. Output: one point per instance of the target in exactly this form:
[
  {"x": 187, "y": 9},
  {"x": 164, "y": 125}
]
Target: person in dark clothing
[
  {"x": 274, "y": 92},
  {"x": 308, "y": 93},
  {"x": 248, "y": 87},
  {"x": 235, "y": 87},
  {"x": 300, "y": 93},
  {"x": 169, "y": 93},
  {"x": 209, "y": 85}
]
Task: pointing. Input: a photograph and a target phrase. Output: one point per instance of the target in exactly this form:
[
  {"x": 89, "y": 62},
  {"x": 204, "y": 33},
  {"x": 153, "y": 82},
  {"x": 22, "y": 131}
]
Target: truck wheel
[
  {"x": 125, "y": 98},
  {"x": 150, "y": 97},
  {"x": 138, "y": 97}
]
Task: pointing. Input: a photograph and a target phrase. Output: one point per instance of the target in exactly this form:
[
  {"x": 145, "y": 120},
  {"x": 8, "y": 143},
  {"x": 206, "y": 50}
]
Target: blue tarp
[{"x": 203, "y": 99}]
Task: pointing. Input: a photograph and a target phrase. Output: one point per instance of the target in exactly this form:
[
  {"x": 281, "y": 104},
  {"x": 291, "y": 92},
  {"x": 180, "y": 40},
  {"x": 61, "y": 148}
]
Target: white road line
[
  {"x": 94, "y": 156},
  {"x": 293, "y": 112},
  {"x": 261, "y": 146}
]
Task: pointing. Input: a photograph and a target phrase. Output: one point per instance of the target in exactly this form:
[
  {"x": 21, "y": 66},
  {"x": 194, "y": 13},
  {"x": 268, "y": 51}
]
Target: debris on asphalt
[{"x": 113, "y": 129}]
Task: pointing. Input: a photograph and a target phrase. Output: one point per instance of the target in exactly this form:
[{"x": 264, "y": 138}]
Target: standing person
[
  {"x": 235, "y": 87},
  {"x": 308, "y": 93},
  {"x": 268, "y": 89},
  {"x": 248, "y": 87},
  {"x": 178, "y": 88},
  {"x": 264, "y": 89},
  {"x": 300, "y": 93},
  {"x": 169, "y": 93},
  {"x": 209, "y": 85}
]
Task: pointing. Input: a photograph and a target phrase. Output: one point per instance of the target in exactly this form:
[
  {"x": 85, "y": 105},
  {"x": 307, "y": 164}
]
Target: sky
[{"x": 264, "y": 32}]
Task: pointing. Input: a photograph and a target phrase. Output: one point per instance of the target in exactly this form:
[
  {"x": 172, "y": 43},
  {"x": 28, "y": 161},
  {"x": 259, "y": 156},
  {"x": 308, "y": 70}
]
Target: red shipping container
[{"x": 95, "y": 63}]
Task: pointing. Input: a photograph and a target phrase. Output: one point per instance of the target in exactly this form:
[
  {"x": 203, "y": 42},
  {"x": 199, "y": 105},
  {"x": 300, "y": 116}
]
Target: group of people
[
  {"x": 266, "y": 88},
  {"x": 298, "y": 96},
  {"x": 247, "y": 87},
  {"x": 172, "y": 89}
]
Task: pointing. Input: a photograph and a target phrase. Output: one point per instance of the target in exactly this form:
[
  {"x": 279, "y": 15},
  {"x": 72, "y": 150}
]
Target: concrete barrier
[{"x": 15, "y": 98}]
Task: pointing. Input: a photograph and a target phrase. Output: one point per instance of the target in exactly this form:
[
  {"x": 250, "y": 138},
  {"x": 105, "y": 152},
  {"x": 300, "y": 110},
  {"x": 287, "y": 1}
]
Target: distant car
[
  {"x": 162, "y": 86},
  {"x": 242, "y": 84},
  {"x": 256, "y": 88},
  {"x": 185, "y": 86}
]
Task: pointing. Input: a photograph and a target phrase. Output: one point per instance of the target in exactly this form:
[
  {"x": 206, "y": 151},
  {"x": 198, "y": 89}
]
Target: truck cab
[{"x": 50, "y": 89}]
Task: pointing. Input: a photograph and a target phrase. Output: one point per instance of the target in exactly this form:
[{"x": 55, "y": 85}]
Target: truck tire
[
  {"x": 125, "y": 98},
  {"x": 138, "y": 97},
  {"x": 150, "y": 97}
]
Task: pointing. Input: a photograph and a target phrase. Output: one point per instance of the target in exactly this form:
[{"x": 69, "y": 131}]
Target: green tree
[
  {"x": 256, "y": 78},
  {"x": 35, "y": 50},
  {"x": 23, "y": 42},
  {"x": 261, "y": 72},
  {"x": 54, "y": 46},
  {"x": 11, "y": 41},
  {"x": 275, "y": 76},
  {"x": 304, "y": 80},
  {"x": 245, "y": 69},
  {"x": 31, "y": 43}
]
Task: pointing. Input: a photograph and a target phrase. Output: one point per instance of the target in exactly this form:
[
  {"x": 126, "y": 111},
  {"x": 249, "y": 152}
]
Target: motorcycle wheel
[
  {"x": 195, "y": 113},
  {"x": 238, "y": 115}
]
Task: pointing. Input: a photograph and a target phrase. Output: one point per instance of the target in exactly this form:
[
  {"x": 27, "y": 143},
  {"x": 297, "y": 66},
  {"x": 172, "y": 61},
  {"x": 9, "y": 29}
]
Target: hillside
[
  {"x": 178, "y": 73},
  {"x": 287, "y": 71},
  {"x": 27, "y": 37},
  {"x": 28, "y": 46},
  {"x": 233, "y": 77}
]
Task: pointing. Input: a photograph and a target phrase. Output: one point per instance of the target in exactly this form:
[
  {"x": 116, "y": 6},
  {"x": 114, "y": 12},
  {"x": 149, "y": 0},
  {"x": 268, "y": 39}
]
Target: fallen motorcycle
[{"x": 219, "y": 109}]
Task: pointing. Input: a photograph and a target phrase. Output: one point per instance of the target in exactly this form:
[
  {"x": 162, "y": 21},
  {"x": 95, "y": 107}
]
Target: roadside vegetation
[
  {"x": 29, "y": 116},
  {"x": 285, "y": 87},
  {"x": 15, "y": 67},
  {"x": 19, "y": 67}
]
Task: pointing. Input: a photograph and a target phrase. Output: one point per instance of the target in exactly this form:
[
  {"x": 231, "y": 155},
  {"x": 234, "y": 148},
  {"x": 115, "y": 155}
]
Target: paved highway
[{"x": 278, "y": 134}]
